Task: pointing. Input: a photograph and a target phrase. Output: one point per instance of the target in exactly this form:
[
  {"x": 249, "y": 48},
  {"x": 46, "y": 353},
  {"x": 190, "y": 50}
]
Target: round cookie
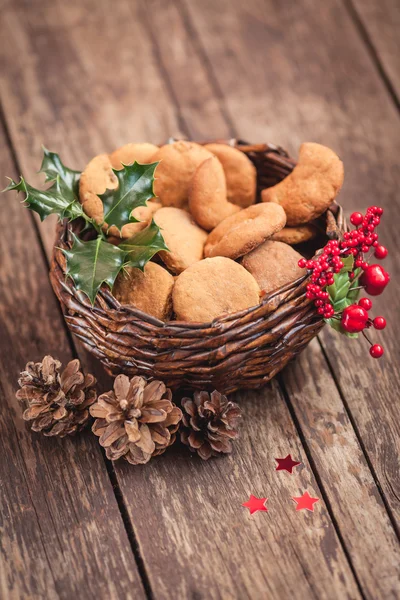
[
  {"x": 149, "y": 291},
  {"x": 211, "y": 288},
  {"x": 128, "y": 154},
  {"x": 240, "y": 174},
  {"x": 182, "y": 236},
  {"x": 311, "y": 187},
  {"x": 97, "y": 177},
  {"x": 239, "y": 234},
  {"x": 178, "y": 162},
  {"x": 273, "y": 264},
  {"x": 207, "y": 196},
  {"x": 295, "y": 235}
]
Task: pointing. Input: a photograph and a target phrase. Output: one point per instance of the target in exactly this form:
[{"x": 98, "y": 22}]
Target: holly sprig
[{"x": 96, "y": 262}]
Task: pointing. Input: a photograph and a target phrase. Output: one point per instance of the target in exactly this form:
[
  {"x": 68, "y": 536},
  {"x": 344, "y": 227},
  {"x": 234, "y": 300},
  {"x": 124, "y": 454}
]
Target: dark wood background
[{"x": 83, "y": 77}]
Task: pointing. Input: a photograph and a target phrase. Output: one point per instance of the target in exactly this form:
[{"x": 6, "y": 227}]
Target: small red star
[
  {"x": 305, "y": 501},
  {"x": 255, "y": 504},
  {"x": 286, "y": 464}
]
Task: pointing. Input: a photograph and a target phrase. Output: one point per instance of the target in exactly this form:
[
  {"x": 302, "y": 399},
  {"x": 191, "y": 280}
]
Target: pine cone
[
  {"x": 57, "y": 402},
  {"x": 136, "y": 420},
  {"x": 209, "y": 423}
]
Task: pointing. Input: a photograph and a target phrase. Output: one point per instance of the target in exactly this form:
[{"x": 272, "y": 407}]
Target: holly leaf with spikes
[
  {"x": 90, "y": 264},
  {"x": 135, "y": 187},
  {"x": 342, "y": 293},
  {"x": 142, "y": 246},
  {"x": 61, "y": 198},
  {"x": 47, "y": 202},
  {"x": 54, "y": 169}
]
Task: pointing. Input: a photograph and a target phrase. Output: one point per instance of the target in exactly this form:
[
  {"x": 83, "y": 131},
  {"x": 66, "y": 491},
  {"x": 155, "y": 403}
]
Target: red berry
[
  {"x": 376, "y": 351},
  {"x": 380, "y": 252},
  {"x": 374, "y": 279},
  {"x": 302, "y": 263},
  {"x": 365, "y": 303},
  {"x": 354, "y": 318},
  {"x": 356, "y": 218},
  {"x": 379, "y": 323}
]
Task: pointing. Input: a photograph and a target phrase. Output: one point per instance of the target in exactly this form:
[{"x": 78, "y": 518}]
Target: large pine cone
[
  {"x": 57, "y": 402},
  {"x": 135, "y": 420},
  {"x": 209, "y": 423}
]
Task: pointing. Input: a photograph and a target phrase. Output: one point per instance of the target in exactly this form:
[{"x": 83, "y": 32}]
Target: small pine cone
[
  {"x": 209, "y": 423},
  {"x": 56, "y": 401},
  {"x": 136, "y": 420}
]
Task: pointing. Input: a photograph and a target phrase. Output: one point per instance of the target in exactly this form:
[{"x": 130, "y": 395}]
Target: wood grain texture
[
  {"x": 215, "y": 549},
  {"x": 269, "y": 81},
  {"x": 379, "y": 22},
  {"x": 369, "y": 564},
  {"x": 56, "y": 499}
]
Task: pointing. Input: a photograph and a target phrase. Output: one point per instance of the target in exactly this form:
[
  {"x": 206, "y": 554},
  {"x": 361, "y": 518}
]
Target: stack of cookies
[{"x": 226, "y": 249}]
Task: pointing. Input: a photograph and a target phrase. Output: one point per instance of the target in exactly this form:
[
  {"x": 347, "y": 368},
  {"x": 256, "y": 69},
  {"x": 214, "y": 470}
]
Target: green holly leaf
[
  {"x": 142, "y": 246},
  {"x": 135, "y": 187},
  {"x": 47, "y": 202},
  {"x": 54, "y": 169},
  {"x": 90, "y": 264},
  {"x": 342, "y": 293}
]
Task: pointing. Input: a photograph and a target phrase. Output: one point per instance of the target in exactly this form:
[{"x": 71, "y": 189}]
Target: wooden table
[{"x": 83, "y": 77}]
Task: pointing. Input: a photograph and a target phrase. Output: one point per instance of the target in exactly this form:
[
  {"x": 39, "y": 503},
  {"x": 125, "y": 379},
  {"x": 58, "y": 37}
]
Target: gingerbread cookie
[
  {"x": 239, "y": 234},
  {"x": 149, "y": 291},
  {"x": 295, "y": 235},
  {"x": 207, "y": 196},
  {"x": 97, "y": 177},
  {"x": 273, "y": 264},
  {"x": 311, "y": 187},
  {"x": 128, "y": 154},
  {"x": 182, "y": 236},
  {"x": 211, "y": 288},
  {"x": 240, "y": 174},
  {"x": 178, "y": 162}
]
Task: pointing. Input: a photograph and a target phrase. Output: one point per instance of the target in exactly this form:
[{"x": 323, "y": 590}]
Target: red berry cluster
[
  {"x": 323, "y": 269},
  {"x": 374, "y": 279}
]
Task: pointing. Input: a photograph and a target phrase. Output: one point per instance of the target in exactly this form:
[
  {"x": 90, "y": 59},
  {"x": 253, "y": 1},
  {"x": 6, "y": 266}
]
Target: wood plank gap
[
  {"x": 318, "y": 479},
  {"x": 130, "y": 532},
  {"x": 163, "y": 71},
  {"x": 199, "y": 48},
  {"x": 134, "y": 545},
  {"x": 360, "y": 440},
  {"x": 362, "y": 31}
]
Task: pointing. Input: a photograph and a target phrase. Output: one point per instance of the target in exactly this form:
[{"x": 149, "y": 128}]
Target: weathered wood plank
[
  {"x": 226, "y": 59},
  {"x": 380, "y": 22},
  {"x": 61, "y": 533},
  {"x": 360, "y": 123},
  {"x": 210, "y": 546},
  {"x": 207, "y": 535}
]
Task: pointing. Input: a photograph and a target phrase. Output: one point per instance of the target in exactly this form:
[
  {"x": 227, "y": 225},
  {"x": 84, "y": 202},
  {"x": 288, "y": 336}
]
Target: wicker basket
[{"x": 241, "y": 350}]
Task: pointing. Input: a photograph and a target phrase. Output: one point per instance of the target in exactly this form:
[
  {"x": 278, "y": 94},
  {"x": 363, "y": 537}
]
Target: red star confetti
[
  {"x": 255, "y": 504},
  {"x": 305, "y": 502},
  {"x": 286, "y": 464}
]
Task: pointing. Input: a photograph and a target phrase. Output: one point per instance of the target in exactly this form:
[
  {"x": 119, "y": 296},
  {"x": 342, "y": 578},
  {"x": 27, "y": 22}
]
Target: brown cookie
[
  {"x": 295, "y": 235},
  {"x": 182, "y": 236},
  {"x": 240, "y": 174},
  {"x": 207, "y": 196},
  {"x": 311, "y": 187},
  {"x": 178, "y": 162},
  {"x": 149, "y": 291},
  {"x": 239, "y": 234},
  {"x": 273, "y": 264},
  {"x": 128, "y": 154},
  {"x": 212, "y": 287},
  {"x": 97, "y": 177}
]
